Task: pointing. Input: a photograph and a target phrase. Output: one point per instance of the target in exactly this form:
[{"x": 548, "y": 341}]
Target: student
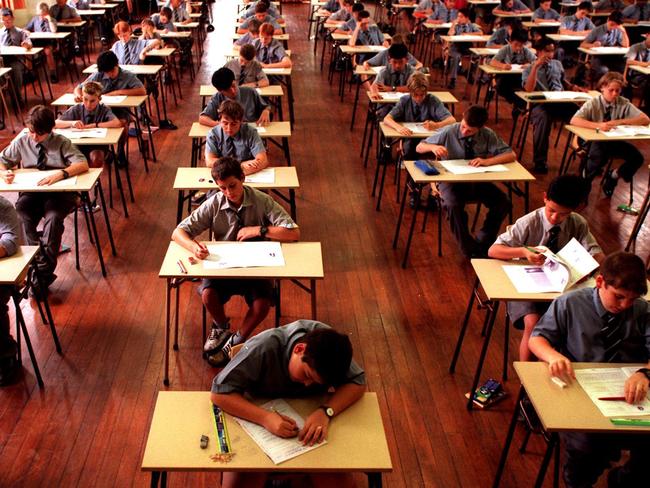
[
  {"x": 255, "y": 108},
  {"x": 471, "y": 140},
  {"x": 163, "y": 20},
  {"x": 514, "y": 53},
  {"x": 64, "y": 13},
  {"x": 609, "y": 323},
  {"x": 262, "y": 16},
  {"x": 9, "y": 241},
  {"x": 330, "y": 7},
  {"x": 553, "y": 226},
  {"x": 381, "y": 58},
  {"x": 149, "y": 32},
  {"x": 252, "y": 34},
  {"x": 270, "y": 52},
  {"x": 461, "y": 26},
  {"x": 89, "y": 114},
  {"x": 180, "y": 14},
  {"x": 639, "y": 55},
  {"x": 351, "y": 24},
  {"x": 236, "y": 213},
  {"x": 42, "y": 149},
  {"x": 344, "y": 13},
  {"x": 42, "y": 22},
  {"x": 511, "y": 7},
  {"x": 366, "y": 34},
  {"x": 546, "y": 74},
  {"x": 417, "y": 106},
  {"x": 609, "y": 34},
  {"x": 115, "y": 81},
  {"x": 129, "y": 49},
  {"x": 444, "y": 13},
  {"x": 10, "y": 35},
  {"x": 610, "y": 5},
  {"x": 303, "y": 358},
  {"x": 545, "y": 13},
  {"x": 235, "y": 139},
  {"x": 247, "y": 69},
  {"x": 501, "y": 36},
  {"x": 425, "y": 8},
  {"x": 393, "y": 78},
  {"x": 182, "y": 4},
  {"x": 578, "y": 23},
  {"x": 639, "y": 11},
  {"x": 605, "y": 112},
  {"x": 271, "y": 10}
]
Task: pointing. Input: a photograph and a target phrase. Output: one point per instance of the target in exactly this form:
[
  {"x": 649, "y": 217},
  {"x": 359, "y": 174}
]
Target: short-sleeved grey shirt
[
  {"x": 251, "y": 73},
  {"x": 273, "y": 53},
  {"x": 246, "y": 96},
  {"x": 102, "y": 113},
  {"x": 486, "y": 142},
  {"x": 247, "y": 141},
  {"x": 23, "y": 152},
  {"x": 431, "y": 108},
  {"x": 388, "y": 76},
  {"x": 507, "y": 55},
  {"x": 594, "y": 110},
  {"x": 9, "y": 227}
]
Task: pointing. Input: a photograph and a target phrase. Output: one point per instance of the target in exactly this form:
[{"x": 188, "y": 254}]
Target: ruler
[{"x": 224, "y": 448}]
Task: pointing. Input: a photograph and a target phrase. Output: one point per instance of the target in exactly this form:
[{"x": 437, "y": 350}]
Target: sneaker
[
  {"x": 216, "y": 339},
  {"x": 222, "y": 357},
  {"x": 9, "y": 369},
  {"x": 609, "y": 184}
]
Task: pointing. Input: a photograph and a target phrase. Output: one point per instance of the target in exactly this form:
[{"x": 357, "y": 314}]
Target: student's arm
[
  {"x": 641, "y": 119},
  {"x": 531, "y": 81},
  {"x": 393, "y": 124},
  {"x": 153, "y": 44},
  {"x": 507, "y": 157},
  {"x": 210, "y": 158},
  {"x": 499, "y": 64},
  {"x": 265, "y": 117},
  {"x": 438, "y": 150},
  {"x": 636, "y": 387},
  {"x": 634, "y": 62},
  {"x": 73, "y": 170},
  {"x": 65, "y": 124},
  {"x": 588, "y": 124},
  {"x": 501, "y": 251},
  {"x": 205, "y": 120},
  {"x": 355, "y": 34},
  {"x": 626, "y": 39},
  {"x": 558, "y": 364},
  {"x": 285, "y": 62},
  {"x": 433, "y": 125},
  {"x": 129, "y": 92},
  {"x": 254, "y": 165},
  {"x": 274, "y": 232}
]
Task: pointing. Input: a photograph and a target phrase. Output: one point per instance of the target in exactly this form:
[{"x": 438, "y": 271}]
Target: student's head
[
  {"x": 175, "y": 4},
  {"x": 536, "y": 35},
  {"x": 165, "y": 15},
  {"x": 357, "y": 8},
  {"x": 224, "y": 81},
  {"x": 398, "y": 56},
  {"x": 418, "y": 85},
  {"x": 545, "y": 4},
  {"x": 254, "y": 27},
  {"x": 563, "y": 196},
  {"x": 147, "y": 26},
  {"x": 647, "y": 39},
  {"x": 43, "y": 9},
  {"x": 463, "y": 16},
  {"x": 91, "y": 94},
  {"x": 610, "y": 85},
  {"x": 231, "y": 115},
  {"x": 107, "y": 63},
  {"x": 61, "y": 3},
  {"x": 261, "y": 10},
  {"x": 511, "y": 23},
  {"x": 246, "y": 54},
  {"x": 583, "y": 9},
  {"x": 122, "y": 31},
  {"x": 621, "y": 281},
  {"x": 507, "y": 4},
  {"x": 322, "y": 356},
  {"x": 546, "y": 48},
  {"x": 364, "y": 20},
  {"x": 397, "y": 39},
  {"x": 518, "y": 38},
  {"x": 614, "y": 20},
  {"x": 39, "y": 123},
  {"x": 266, "y": 33},
  {"x": 7, "y": 17},
  {"x": 347, "y": 5},
  {"x": 229, "y": 176},
  {"x": 474, "y": 119},
  {"x": 450, "y": 4}
]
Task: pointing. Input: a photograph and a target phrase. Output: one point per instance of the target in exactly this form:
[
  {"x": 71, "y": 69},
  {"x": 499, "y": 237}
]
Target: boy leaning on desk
[
  {"x": 304, "y": 358},
  {"x": 609, "y": 323}
]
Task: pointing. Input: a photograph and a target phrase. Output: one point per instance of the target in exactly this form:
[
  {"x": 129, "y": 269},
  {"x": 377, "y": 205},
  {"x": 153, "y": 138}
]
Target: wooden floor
[{"x": 88, "y": 426}]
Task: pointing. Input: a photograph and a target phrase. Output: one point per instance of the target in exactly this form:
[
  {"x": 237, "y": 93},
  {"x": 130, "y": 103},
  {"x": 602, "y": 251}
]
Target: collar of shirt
[
  {"x": 600, "y": 310},
  {"x": 246, "y": 202}
]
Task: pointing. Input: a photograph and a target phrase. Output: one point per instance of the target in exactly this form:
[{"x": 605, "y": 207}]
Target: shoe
[
  {"x": 216, "y": 339},
  {"x": 470, "y": 79},
  {"x": 222, "y": 357},
  {"x": 9, "y": 370},
  {"x": 541, "y": 169},
  {"x": 54, "y": 78},
  {"x": 609, "y": 184},
  {"x": 452, "y": 84}
]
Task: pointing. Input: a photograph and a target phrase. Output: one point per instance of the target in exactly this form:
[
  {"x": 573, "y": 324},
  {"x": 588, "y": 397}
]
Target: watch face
[{"x": 330, "y": 412}]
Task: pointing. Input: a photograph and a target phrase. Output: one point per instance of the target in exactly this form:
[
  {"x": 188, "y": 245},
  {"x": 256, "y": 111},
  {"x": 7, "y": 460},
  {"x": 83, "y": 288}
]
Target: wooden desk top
[
  {"x": 13, "y": 268},
  {"x": 277, "y": 71},
  {"x": 484, "y": 51},
  {"x": 391, "y": 133},
  {"x": 174, "y": 35},
  {"x": 466, "y": 38},
  {"x": 235, "y": 53},
  {"x": 618, "y": 51},
  {"x": 444, "y": 96},
  {"x": 567, "y": 409},
  {"x": 267, "y": 91},
  {"x": 274, "y": 129},
  {"x": 164, "y": 52},
  {"x": 547, "y": 24},
  {"x": 48, "y": 35},
  {"x": 484, "y": 2},
  {"x": 641, "y": 69},
  {"x": 566, "y": 37},
  {"x": 526, "y": 96},
  {"x": 72, "y": 25},
  {"x": 113, "y": 135},
  {"x": 286, "y": 178},
  {"x": 19, "y": 51},
  {"x": 432, "y": 26},
  {"x": 303, "y": 260},
  {"x": 138, "y": 69},
  {"x": 491, "y": 70},
  {"x": 512, "y": 14},
  {"x": 189, "y": 25},
  {"x": 516, "y": 172},
  {"x": 85, "y": 182},
  {"x": 362, "y": 49},
  {"x": 91, "y": 13},
  {"x": 279, "y": 37},
  {"x": 356, "y": 439},
  {"x": 131, "y": 101},
  {"x": 4, "y": 71},
  {"x": 100, "y": 6},
  {"x": 591, "y": 135}
]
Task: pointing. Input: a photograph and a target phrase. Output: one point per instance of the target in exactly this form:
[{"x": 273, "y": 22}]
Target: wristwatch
[
  {"x": 644, "y": 371},
  {"x": 393, "y": 88},
  {"x": 66, "y": 175},
  {"x": 329, "y": 411},
  {"x": 263, "y": 230}
]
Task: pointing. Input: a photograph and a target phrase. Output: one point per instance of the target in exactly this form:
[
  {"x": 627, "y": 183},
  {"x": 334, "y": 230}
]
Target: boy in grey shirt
[{"x": 9, "y": 238}]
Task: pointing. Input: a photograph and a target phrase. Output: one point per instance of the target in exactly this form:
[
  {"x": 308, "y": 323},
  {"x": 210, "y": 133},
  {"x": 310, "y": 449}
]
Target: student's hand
[
  {"x": 8, "y": 176},
  {"x": 405, "y": 131},
  {"x": 246, "y": 233},
  {"x": 381, "y": 87},
  {"x": 78, "y": 98},
  {"x": 605, "y": 126},
  {"x": 77, "y": 124},
  {"x": 478, "y": 162},
  {"x": 636, "y": 388},
  {"x": 264, "y": 118},
  {"x": 533, "y": 257},
  {"x": 430, "y": 125},
  {"x": 26, "y": 45},
  {"x": 596, "y": 44},
  {"x": 200, "y": 251},
  {"x": 366, "y": 65},
  {"x": 141, "y": 56},
  {"x": 507, "y": 67},
  {"x": 53, "y": 178},
  {"x": 561, "y": 367},
  {"x": 280, "y": 425},
  {"x": 315, "y": 429}
]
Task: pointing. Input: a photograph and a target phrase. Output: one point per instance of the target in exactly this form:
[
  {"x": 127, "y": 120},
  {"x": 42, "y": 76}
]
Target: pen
[
  {"x": 633, "y": 422},
  {"x": 199, "y": 244},
  {"x": 532, "y": 249},
  {"x": 612, "y": 399},
  {"x": 181, "y": 266}
]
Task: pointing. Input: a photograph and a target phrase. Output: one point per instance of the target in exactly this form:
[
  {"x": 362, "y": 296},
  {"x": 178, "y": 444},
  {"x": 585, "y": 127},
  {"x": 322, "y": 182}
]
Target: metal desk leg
[
  {"x": 87, "y": 208},
  {"x": 486, "y": 343},
  {"x": 416, "y": 196},
  {"x": 313, "y": 299},
  {"x": 109, "y": 230},
  {"x": 562, "y": 169},
  {"x": 401, "y": 212},
  {"x": 552, "y": 443},
  {"x": 167, "y": 324},
  {"x": 508, "y": 442},
  {"x": 374, "y": 480},
  {"x": 176, "y": 314},
  {"x": 179, "y": 207},
  {"x": 20, "y": 326},
  {"x": 643, "y": 213},
  {"x": 463, "y": 328},
  {"x": 356, "y": 102},
  {"x": 285, "y": 148},
  {"x": 526, "y": 197}
]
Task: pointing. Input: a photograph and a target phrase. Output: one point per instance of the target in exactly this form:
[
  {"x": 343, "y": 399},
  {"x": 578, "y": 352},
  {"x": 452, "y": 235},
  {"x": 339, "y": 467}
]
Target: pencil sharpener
[{"x": 204, "y": 441}]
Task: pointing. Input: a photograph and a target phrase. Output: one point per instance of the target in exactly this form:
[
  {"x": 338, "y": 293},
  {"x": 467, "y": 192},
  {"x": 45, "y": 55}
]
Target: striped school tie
[{"x": 41, "y": 162}]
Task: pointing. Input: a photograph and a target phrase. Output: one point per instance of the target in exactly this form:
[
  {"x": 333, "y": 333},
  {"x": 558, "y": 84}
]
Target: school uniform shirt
[
  {"x": 273, "y": 53},
  {"x": 38, "y": 24},
  {"x": 484, "y": 143},
  {"x": 129, "y": 53},
  {"x": 251, "y": 73},
  {"x": 499, "y": 37},
  {"x": 507, "y": 55},
  {"x": 247, "y": 143},
  {"x": 63, "y": 13},
  {"x": 79, "y": 4},
  {"x": 606, "y": 37},
  {"x": 10, "y": 231},
  {"x": 425, "y": 5},
  {"x": 23, "y": 152},
  {"x": 14, "y": 37},
  {"x": 332, "y": 5},
  {"x": 372, "y": 37},
  {"x": 179, "y": 14},
  {"x": 516, "y": 5},
  {"x": 268, "y": 19},
  {"x": 465, "y": 29},
  {"x": 574, "y": 324},
  {"x": 638, "y": 52},
  {"x": 349, "y": 25},
  {"x": 571, "y": 22},
  {"x": 125, "y": 80},
  {"x": 637, "y": 12},
  {"x": 431, "y": 108},
  {"x": 443, "y": 13},
  {"x": 381, "y": 59},
  {"x": 388, "y": 76},
  {"x": 272, "y": 11},
  {"x": 610, "y": 5},
  {"x": 246, "y": 96},
  {"x": 341, "y": 15},
  {"x": 595, "y": 109},
  {"x": 550, "y": 14},
  {"x": 102, "y": 113},
  {"x": 160, "y": 25},
  {"x": 261, "y": 367},
  {"x": 246, "y": 39},
  {"x": 550, "y": 77}
]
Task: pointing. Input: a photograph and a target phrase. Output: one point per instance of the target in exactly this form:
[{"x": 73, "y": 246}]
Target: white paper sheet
[
  {"x": 267, "y": 175},
  {"x": 260, "y": 129},
  {"x": 628, "y": 130},
  {"x": 272, "y": 71},
  {"x": 95, "y": 133},
  {"x": 581, "y": 262},
  {"x": 609, "y": 382},
  {"x": 243, "y": 255},
  {"x": 609, "y": 50},
  {"x": 468, "y": 38},
  {"x": 279, "y": 449},
  {"x": 416, "y": 127},
  {"x": 376, "y": 69},
  {"x": 548, "y": 24},
  {"x": 109, "y": 99},
  {"x": 391, "y": 95},
  {"x": 461, "y": 167},
  {"x": 375, "y": 49},
  {"x": 516, "y": 67},
  {"x": 31, "y": 178},
  {"x": 529, "y": 279},
  {"x": 566, "y": 95}
]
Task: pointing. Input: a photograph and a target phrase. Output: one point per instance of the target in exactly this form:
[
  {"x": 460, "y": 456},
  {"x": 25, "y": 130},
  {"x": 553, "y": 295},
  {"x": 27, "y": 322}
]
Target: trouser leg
[
  {"x": 56, "y": 207},
  {"x": 498, "y": 207},
  {"x": 454, "y": 199},
  {"x": 7, "y": 343},
  {"x": 541, "y": 119},
  {"x": 17, "y": 75},
  {"x": 586, "y": 457},
  {"x": 453, "y": 61}
]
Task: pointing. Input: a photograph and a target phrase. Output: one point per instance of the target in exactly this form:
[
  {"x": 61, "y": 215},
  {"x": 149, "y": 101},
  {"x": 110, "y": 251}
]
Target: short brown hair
[
  {"x": 226, "y": 167},
  {"x": 93, "y": 88},
  {"x": 121, "y": 27},
  {"x": 231, "y": 109},
  {"x": 611, "y": 77},
  {"x": 247, "y": 51},
  {"x": 40, "y": 120},
  {"x": 267, "y": 29},
  {"x": 625, "y": 270},
  {"x": 418, "y": 81}
]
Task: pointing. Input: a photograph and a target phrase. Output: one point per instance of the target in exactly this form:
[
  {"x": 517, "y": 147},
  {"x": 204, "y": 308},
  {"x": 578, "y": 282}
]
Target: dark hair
[
  {"x": 222, "y": 78},
  {"x": 544, "y": 42},
  {"x": 397, "y": 39},
  {"x": 519, "y": 35},
  {"x": 476, "y": 116},
  {"x": 231, "y": 109},
  {"x": 106, "y": 61},
  {"x": 505, "y": 2},
  {"x": 247, "y": 51},
  {"x": 225, "y": 168},
  {"x": 348, "y": 2},
  {"x": 567, "y": 190},
  {"x": 261, "y": 8},
  {"x": 398, "y": 51},
  {"x": 40, "y": 120},
  {"x": 625, "y": 270},
  {"x": 167, "y": 12},
  {"x": 511, "y": 21},
  {"x": 328, "y": 353},
  {"x": 364, "y": 14},
  {"x": 586, "y": 6},
  {"x": 358, "y": 7},
  {"x": 616, "y": 16},
  {"x": 464, "y": 11},
  {"x": 254, "y": 25}
]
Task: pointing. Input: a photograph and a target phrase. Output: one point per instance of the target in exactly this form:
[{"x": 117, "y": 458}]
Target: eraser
[{"x": 558, "y": 381}]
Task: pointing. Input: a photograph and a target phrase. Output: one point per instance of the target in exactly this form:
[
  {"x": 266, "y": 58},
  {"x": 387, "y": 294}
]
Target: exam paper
[
  {"x": 31, "y": 178},
  {"x": 566, "y": 95},
  {"x": 243, "y": 255},
  {"x": 375, "y": 49},
  {"x": 609, "y": 382},
  {"x": 462, "y": 167},
  {"x": 609, "y": 50},
  {"x": 376, "y": 69},
  {"x": 277, "y": 448},
  {"x": 517, "y": 67},
  {"x": 267, "y": 175},
  {"x": 94, "y": 133},
  {"x": 391, "y": 95},
  {"x": 628, "y": 130},
  {"x": 469, "y": 38},
  {"x": 530, "y": 279},
  {"x": 271, "y": 71},
  {"x": 109, "y": 99},
  {"x": 416, "y": 127}
]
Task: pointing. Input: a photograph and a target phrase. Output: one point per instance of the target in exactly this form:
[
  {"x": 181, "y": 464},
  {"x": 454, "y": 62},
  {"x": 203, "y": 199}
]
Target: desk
[
  {"x": 516, "y": 173},
  {"x": 478, "y": 38},
  {"x": 303, "y": 261},
  {"x": 547, "y": 24},
  {"x": 567, "y": 38},
  {"x": 559, "y": 410},
  {"x": 356, "y": 441},
  {"x": 84, "y": 184},
  {"x": 520, "y": 15},
  {"x": 284, "y": 77},
  {"x": 641, "y": 69},
  {"x": 493, "y": 72},
  {"x": 18, "y": 51},
  {"x": 48, "y": 36},
  {"x": 4, "y": 73},
  {"x": 200, "y": 179},
  {"x": 611, "y": 51},
  {"x": 92, "y": 12},
  {"x": 272, "y": 91},
  {"x": 273, "y": 130}
]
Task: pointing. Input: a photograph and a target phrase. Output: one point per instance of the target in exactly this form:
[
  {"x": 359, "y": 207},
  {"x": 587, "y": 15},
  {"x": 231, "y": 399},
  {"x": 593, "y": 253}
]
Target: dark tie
[
  {"x": 646, "y": 55},
  {"x": 395, "y": 77},
  {"x": 59, "y": 14},
  {"x": 41, "y": 162},
  {"x": 230, "y": 148},
  {"x": 552, "y": 242},
  {"x": 417, "y": 113},
  {"x": 612, "y": 336},
  {"x": 44, "y": 26},
  {"x": 242, "y": 76},
  {"x": 9, "y": 40},
  {"x": 608, "y": 114},
  {"x": 574, "y": 25},
  {"x": 469, "y": 148},
  {"x": 127, "y": 53},
  {"x": 175, "y": 16},
  {"x": 265, "y": 55},
  {"x": 448, "y": 16}
]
